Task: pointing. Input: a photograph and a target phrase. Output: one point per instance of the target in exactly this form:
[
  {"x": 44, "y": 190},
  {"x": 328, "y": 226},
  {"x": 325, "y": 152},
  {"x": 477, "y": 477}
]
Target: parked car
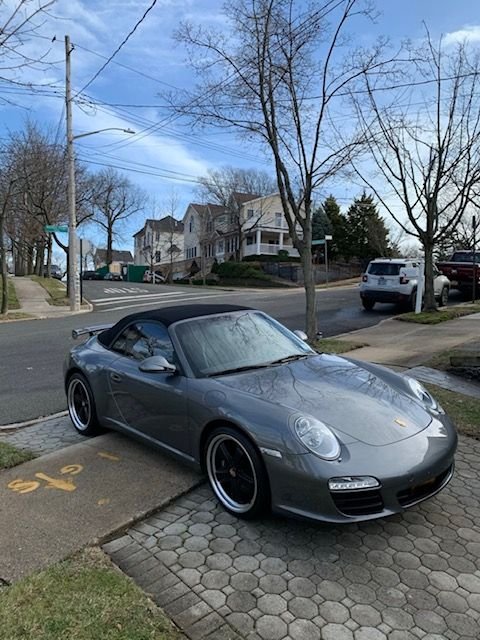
[
  {"x": 396, "y": 280},
  {"x": 460, "y": 270},
  {"x": 112, "y": 276},
  {"x": 55, "y": 272},
  {"x": 270, "y": 421},
  {"x": 156, "y": 277},
  {"x": 92, "y": 275}
]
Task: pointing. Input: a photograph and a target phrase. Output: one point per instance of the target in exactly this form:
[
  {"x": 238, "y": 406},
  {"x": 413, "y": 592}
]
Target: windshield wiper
[
  {"x": 292, "y": 358},
  {"x": 248, "y": 367}
]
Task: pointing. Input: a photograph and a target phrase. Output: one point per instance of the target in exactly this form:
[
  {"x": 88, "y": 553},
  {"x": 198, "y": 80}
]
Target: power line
[{"x": 124, "y": 41}]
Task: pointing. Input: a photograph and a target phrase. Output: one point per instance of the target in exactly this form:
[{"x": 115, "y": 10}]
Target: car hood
[{"x": 350, "y": 399}]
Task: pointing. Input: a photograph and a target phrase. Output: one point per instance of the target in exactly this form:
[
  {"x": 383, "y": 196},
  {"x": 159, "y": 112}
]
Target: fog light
[{"x": 347, "y": 483}]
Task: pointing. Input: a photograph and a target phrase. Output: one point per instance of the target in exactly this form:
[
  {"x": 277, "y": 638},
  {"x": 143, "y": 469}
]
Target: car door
[{"x": 153, "y": 404}]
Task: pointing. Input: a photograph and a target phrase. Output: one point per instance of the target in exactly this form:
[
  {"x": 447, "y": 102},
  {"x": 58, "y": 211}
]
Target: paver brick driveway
[{"x": 415, "y": 575}]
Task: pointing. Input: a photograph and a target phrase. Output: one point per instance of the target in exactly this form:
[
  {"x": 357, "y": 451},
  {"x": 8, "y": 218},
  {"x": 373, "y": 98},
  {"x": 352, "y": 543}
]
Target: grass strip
[
  {"x": 55, "y": 289},
  {"x": 463, "y": 410},
  {"x": 12, "y": 315},
  {"x": 441, "y": 315},
  {"x": 10, "y": 456},
  {"x": 83, "y": 598},
  {"x": 332, "y": 345},
  {"x": 12, "y": 296}
]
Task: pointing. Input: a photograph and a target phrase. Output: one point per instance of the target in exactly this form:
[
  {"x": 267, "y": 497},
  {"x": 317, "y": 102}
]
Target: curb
[{"x": 14, "y": 426}]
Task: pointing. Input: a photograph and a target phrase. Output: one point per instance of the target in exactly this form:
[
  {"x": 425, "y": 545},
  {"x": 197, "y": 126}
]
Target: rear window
[
  {"x": 465, "y": 256},
  {"x": 385, "y": 268}
]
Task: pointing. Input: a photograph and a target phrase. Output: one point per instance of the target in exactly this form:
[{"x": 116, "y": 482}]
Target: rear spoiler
[{"x": 91, "y": 331}]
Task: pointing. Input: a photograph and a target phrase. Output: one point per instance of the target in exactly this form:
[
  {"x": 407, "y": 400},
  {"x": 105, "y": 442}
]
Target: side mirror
[
  {"x": 301, "y": 334},
  {"x": 157, "y": 364}
]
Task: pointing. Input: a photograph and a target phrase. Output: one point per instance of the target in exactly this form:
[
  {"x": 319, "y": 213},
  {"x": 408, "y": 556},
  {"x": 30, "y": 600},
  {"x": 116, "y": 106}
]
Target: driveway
[{"x": 411, "y": 576}]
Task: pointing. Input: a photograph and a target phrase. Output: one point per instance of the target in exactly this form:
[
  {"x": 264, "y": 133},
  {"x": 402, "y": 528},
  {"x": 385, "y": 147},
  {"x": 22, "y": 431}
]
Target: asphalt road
[{"x": 32, "y": 352}]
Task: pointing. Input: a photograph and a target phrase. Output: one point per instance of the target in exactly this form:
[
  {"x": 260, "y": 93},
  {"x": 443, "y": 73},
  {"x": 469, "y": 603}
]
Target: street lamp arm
[{"x": 91, "y": 133}]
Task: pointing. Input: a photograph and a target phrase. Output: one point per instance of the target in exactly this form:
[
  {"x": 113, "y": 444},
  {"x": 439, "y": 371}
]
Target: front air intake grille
[
  {"x": 419, "y": 492},
  {"x": 358, "y": 503}
]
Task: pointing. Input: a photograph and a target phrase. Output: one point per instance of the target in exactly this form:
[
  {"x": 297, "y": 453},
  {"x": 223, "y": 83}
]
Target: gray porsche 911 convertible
[{"x": 273, "y": 423}]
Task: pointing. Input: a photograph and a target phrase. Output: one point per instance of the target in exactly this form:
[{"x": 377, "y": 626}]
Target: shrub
[{"x": 239, "y": 270}]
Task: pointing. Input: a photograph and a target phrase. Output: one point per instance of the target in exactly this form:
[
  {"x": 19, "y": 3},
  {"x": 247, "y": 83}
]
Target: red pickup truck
[{"x": 461, "y": 269}]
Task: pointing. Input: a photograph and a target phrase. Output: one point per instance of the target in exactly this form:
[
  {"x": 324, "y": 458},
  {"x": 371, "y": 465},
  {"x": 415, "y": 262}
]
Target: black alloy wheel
[
  {"x": 236, "y": 473},
  {"x": 81, "y": 406}
]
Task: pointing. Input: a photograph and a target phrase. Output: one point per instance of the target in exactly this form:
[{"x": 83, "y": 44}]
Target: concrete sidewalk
[
  {"x": 407, "y": 344},
  {"x": 55, "y": 505},
  {"x": 33, "y": 299}
]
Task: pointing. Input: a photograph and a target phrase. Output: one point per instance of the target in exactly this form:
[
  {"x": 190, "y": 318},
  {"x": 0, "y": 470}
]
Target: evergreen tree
[
  {"x": 367, "y": 235},
  {"x": 338, "y": 227},
  {"x": 321, "y": 225}
]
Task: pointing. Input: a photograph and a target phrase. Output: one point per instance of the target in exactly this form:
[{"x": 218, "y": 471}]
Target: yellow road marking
[
  {"x": 23, "y": 486},
  {"x": 54, "y": 483},
  {"x": 108, "y": 456},
  {"x": 71, "y": 469}
]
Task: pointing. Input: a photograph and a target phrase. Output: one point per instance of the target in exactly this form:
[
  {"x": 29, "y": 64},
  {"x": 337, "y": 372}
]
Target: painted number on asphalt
[{"x": 63, "y": 484}]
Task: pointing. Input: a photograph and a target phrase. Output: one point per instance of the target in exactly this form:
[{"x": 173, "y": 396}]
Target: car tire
[
  {"x": 81, "y": 406},
  {"x": 368, "y": 304},
  {"x": 236, "y": 473},
  {"x": 443, "y": 300}
]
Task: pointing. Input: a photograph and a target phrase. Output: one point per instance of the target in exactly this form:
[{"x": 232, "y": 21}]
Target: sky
[{"x": 152, "y": 62}]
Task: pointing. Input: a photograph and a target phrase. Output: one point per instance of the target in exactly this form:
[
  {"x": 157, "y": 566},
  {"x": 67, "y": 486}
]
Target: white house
[
  {"x": 159, "y": 242},
  {"x": 250, "y": 225}
]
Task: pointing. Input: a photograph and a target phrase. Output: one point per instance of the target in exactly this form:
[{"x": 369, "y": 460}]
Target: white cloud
[{"x": 470, "y": 33}]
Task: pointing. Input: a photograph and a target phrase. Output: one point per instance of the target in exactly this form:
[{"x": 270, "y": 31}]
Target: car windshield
[
  {"x": 385, "y": 268},
  {"x": 231, "y": 342}
]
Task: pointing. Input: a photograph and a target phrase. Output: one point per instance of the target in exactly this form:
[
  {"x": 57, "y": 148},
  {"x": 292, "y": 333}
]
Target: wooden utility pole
[{"x": 73, "y": 279}]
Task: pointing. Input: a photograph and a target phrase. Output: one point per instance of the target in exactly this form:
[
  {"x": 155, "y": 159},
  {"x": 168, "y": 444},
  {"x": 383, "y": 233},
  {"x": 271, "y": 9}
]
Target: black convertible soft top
[{"x": 168, "y": 315}]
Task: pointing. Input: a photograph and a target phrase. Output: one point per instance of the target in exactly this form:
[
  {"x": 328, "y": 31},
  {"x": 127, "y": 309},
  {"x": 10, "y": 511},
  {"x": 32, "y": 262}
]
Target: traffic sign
[{"x": 56, "y": 228}]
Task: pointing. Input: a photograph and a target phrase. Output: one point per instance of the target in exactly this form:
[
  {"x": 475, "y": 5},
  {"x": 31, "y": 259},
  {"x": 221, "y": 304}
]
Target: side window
[{"x": 144, "y": 339}]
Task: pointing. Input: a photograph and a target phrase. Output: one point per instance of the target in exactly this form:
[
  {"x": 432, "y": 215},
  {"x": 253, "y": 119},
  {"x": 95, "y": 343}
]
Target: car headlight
[
  {"x": 423, "y": 395},
  {"x": 317, "y": 437}
]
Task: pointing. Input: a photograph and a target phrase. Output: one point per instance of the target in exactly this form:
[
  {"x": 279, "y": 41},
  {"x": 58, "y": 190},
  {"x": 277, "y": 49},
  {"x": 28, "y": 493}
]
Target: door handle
[{"x": 115, "y": 377}]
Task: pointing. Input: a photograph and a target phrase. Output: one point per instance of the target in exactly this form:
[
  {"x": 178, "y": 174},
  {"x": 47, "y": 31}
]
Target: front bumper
[{"x": 409, "y": 472}]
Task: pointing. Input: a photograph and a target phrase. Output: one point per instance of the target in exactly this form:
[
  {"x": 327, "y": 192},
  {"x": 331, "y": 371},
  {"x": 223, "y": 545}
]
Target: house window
[
  {"x": 278, "y": 220},
  {"x": 220, "y": 246},
  {"x": 157, "y": 256},
  {"x": 191, "y": 224},
  {"x": 209, "y": 226},
  {"x": 250, "y": 240},
  {"x": 250, "y": 213},
  {"x": 221, "y": 220}
]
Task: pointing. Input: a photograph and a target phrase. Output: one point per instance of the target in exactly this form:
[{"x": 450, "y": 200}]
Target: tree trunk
[
  {"x": 430, "y": 302},
  {"x": 109, "y": 245},
  {"x": 3, "y": 268},
  {"x": 39, "y": 258},
  {"x": 309, "y": 285},
  {"x": 49, "y": 254},
  {"x": 29, "y": 269}
]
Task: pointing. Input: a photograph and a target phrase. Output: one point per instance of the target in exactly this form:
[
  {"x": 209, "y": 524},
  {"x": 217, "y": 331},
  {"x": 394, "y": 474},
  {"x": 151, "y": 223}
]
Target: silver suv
[{"x": 395, "y": 280}]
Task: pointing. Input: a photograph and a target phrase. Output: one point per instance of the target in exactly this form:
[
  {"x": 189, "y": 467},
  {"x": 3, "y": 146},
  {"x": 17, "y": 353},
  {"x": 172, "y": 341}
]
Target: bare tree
[
  {"x": 115, "y": 199},
  {"x": 275, "y": 77},
  {"x": 37, "y": 164},
  {"x": 19, "y": 20},
  {"x": 174, "y": 230},
  {"x": 428, "y": 159},
  {"x": 228, "y": 187}
]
